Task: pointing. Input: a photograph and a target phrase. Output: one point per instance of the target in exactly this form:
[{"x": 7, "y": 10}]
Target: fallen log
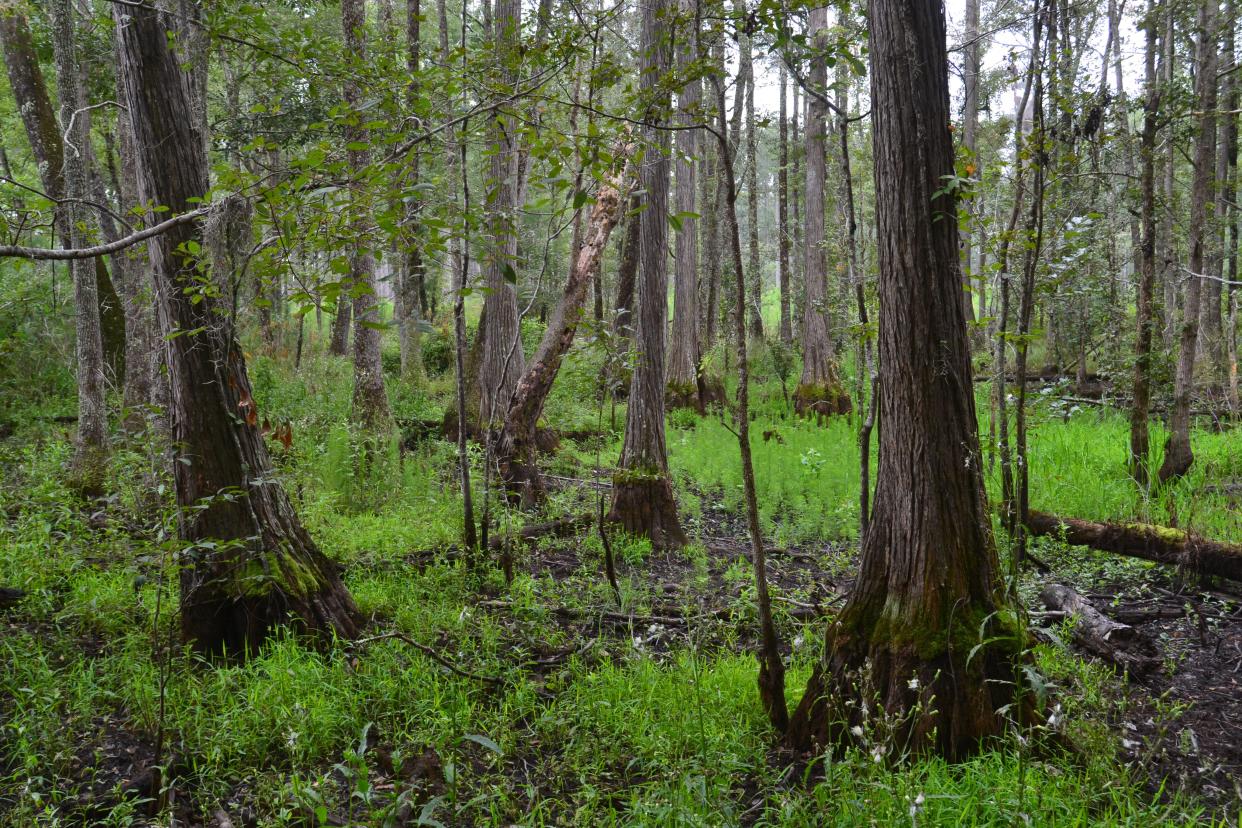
[
  {"x": 559, "y": 528},
  {"x": 9, "y": 597},
  {"x": 1100, "y": 635},
  {"x": 1144, "y": 540}
]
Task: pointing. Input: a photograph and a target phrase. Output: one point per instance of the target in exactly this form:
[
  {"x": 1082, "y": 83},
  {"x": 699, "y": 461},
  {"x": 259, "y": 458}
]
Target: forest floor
[{"x": 546, "y": 703}]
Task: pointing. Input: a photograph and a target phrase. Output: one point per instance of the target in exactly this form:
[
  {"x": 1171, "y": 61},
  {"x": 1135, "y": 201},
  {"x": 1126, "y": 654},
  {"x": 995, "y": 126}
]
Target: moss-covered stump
[
  {"x": 822, "y": 399},
  {"x": 231, "y": 603},
  {"x": 899, "y": 688},
  {"x": 643, "y": 504}
]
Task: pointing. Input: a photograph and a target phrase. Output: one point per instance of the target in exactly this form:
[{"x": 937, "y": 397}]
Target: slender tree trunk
[
  {"x": 1139, "y": 440},
  {"x": 683, "y": 356},
  {"x": 261, "y": 568},
  {"x": 754, "y": 271},
  {"x": 341, "y": 322},
  {"x": 1212, "y": 339},
  {"x": 926, "y": 630},
  {"x": 1178, "y": 455},
  {"x": 1169, "y": 255},
  {"x": 90, "y": 460},
  {"x": 143, "y": 349},
  {"x": 771, "y": 666},
  {"x": 797, "y": 275},
  {"x": 412, "y": 287},
  {"x": 970, "y": 129},
  {"x": 642, "y": 494},
  {"x": 819, "y": 390},
  {"x": 627, "y": 271},
  {"x": 503, "y": 359},
  {"x": 370, "y": 409},
  {"x": 782, "y": 214}
]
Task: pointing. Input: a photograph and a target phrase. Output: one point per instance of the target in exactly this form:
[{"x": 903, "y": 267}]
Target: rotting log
[
  {"x": 1100, "y": 635},
  {"x": 1160, "y": 544}
]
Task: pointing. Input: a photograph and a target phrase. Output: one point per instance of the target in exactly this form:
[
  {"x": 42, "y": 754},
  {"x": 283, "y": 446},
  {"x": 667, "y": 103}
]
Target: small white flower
[
  {"x": 797, "y": 642},
  {"x": 638, "y": 642},
  {"x": 291, "y": 739},
  {"x": 877, "y": 754},
  {"x": 913, "y": 683},
  {"x": 857, "y": 731}
]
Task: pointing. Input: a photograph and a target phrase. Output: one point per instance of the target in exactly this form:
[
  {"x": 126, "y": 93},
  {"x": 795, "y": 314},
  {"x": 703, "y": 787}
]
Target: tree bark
[
  {"x": 143, "y": 348},
  {"x": 782, "y": 214},
  {"x": 91, "y": 451},
  {"x": 1178, "y": 455},
  {"x": 754, "y": 305},
  {"x": 819, "y": 390},
  {"x": 683, "y": 357},
  {"x": 370, "y": 409},
  {"x": 503, "y": 358},
  {"x": 642, "y": 494},
  {"x": 1139, "y": 438},
  {"x": 927, "y": 629},
  {"x": 250, "y": 564},
  {"x": 627, "y": 272},
  {"x": 412, "y": 286},
  {"x": 970, "y": 129}
]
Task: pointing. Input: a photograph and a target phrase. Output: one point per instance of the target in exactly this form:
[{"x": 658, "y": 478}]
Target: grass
[{"x": 618, "y": 734}]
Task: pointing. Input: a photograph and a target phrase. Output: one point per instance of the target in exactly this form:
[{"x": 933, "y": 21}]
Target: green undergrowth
[{"x": 638, "y": 726}]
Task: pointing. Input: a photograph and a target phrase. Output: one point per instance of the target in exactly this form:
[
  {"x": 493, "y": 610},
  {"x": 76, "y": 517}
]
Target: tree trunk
[
  {"x": 1178, "y": 455},
  {"x": 1169, "y": 254},
  {"x": 819, "y": 390},
  {"x": 251, "y": 565},
  {"x": 782, "y": 214},
  {"x": 339, "y": 343},
  {"x": 143, "y": 348},
  {"x": 797, "y": 275},
  {"x": 411, "y": 287},
  {"x": 1211, "y": 326},
  {"x": 970, "y": 128},
  {"x": 39, "y": 120},
  {"x": 1139, "y": 439},
  {"x": 503, "y": 359},
  {"x": 927, "y": 629},
  {"x": 771, "y": 667},
  {"x": 91, "y": 451},
  {"x": 370, "y": 410},
  {"x": 683, "y": 356},
  {"x": 627, "y": 272},
  {"x": 754, "y": 307},
  {"x": 515, "y": 451},
  {"x": 642, "y": 494}
]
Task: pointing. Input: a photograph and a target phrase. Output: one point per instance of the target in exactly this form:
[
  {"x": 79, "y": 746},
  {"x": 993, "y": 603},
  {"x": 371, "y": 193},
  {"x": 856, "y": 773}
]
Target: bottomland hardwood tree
[
  {"x": 819, "y": 389},
  {"x": 250, "y": 565},
  {"x": 927, "y": 632},
  {"x": 642, "y": 495}
]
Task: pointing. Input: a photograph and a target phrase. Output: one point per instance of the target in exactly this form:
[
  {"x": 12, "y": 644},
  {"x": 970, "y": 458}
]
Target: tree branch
[{"x": 13, "y": 251}]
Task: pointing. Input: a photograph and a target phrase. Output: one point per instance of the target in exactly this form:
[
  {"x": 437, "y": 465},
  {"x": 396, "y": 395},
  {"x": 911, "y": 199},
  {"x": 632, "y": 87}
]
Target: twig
[{"x": 430, "y": 653}]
